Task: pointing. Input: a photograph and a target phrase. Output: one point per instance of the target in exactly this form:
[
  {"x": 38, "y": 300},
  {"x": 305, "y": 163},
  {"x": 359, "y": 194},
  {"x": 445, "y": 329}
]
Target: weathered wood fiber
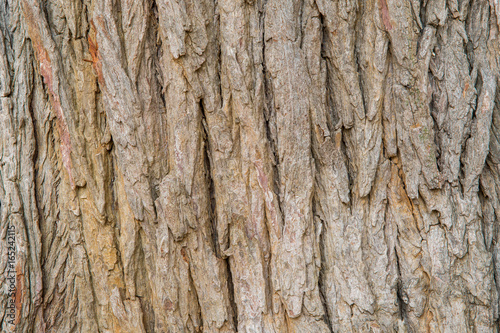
[{"x": 250, "y": 165}]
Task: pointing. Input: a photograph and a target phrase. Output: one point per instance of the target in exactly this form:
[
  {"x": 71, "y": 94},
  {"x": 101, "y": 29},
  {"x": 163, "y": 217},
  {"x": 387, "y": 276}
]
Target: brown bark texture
[{"x": 249, "y": 166}]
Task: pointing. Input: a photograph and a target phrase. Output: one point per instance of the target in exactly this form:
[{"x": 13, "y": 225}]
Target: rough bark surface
[{"x": 250, "y": 165}]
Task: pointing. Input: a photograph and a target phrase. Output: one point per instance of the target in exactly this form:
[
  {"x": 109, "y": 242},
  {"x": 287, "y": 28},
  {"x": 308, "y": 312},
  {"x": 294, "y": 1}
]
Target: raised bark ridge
[{"x": 250, "y": 165}]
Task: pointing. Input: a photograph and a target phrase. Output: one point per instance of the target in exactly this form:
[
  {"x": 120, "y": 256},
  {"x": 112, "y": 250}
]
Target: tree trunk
[{"x": 250, "y": 165}]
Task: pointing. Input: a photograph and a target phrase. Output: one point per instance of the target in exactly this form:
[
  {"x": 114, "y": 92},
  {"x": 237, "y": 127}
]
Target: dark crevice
[
  {"x": 483, "y": 199},
  {"x": 267, "y": 109},
  {"x": 402, "y": 297},
  {"x": 271, "y": 134},
  {"x": 349, "y": 165},
  {"x": 316, "y": 205},
  {"x": 468, "y": 133},
  {"x": 117, "y": 18},
  {"x": 496, "y": 278},
  {"x": 230, "y": 288},
  {"x": 479, "y": 87},
  {"x": 359, "y": 68},
  {"x": 209, "y": 179},
  {"x": 36, "y": 135},
  {"x": 269, "y": 113},
  {"x": 194, "y": 291},
  {"x": 333, "y": 119},
  {"x": 155, "y": 23},
  {"x": 326, "y": 315},
  {"x": 213, "y": 211},
  {"x": 301, "y": 22},
  {"x": 143, "y": 290},
  {"x": 38, "y": 299}
]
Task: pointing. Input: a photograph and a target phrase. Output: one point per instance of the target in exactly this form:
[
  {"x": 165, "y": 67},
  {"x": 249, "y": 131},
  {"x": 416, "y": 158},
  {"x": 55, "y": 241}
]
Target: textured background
[{"x": 251, "y": 165}]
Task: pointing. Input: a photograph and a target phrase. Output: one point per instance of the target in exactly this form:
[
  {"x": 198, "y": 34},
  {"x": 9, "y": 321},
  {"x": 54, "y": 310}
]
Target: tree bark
[{"x": 250, "y": 166}]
